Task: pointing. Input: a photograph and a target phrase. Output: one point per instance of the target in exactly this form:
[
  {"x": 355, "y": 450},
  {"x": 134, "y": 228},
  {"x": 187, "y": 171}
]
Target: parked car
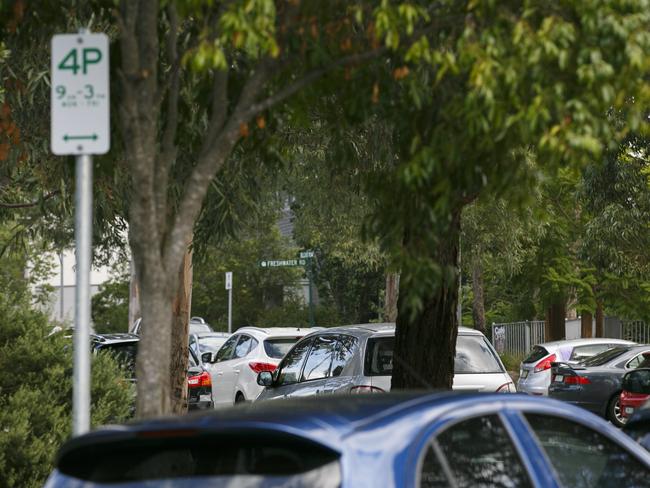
[
  {"x": 359, "y": 359},
  {"x": 197, "y": 325},
  {"x": 636, "y": 388},
  {"x": 249, "y": 351},
  {"x": 596, "y": 383},
  {"x": 400, "y": 440},
  {"x": 206, "y": 344},
  {"x": 199, "y": 384},
  {"x": 124, "y": 347},
  {"x": 535, "y": 369}
]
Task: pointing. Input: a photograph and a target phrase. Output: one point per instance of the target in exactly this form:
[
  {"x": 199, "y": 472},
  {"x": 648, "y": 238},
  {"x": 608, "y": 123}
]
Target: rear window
[
  {"x": 536, "y": 354},
  {"x": 474, "y": 355},
  {"x": 125, "y": 353},
  {"x": 244, "y": 457},
  {"x": 278, "y": 348},
  {"x": 605, "y": 356},
  {"x": 197, "y": 327},
  {"x": 379, "y": 356},
  {"x": 580, "y": 353}
]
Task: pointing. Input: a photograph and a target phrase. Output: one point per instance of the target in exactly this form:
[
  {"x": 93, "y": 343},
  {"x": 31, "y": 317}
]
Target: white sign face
[
  {"x": 229, "y": 280},
  {"x": 306, "y": 254},
  {"x": 80, "y": 94}
]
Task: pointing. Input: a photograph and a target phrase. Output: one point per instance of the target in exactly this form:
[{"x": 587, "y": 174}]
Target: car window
[
  {"x": 289, "y": 370},
  {"x": 226, "y": 350},
  {"x": 479, "y": 453},
  {"x": 583, "y": 457},
  {"x": 605, "y": 356},
  {"x": 379, "y": 356},
  {"x": 319, "y": 359},
  {"x": 343, "y": 354},
  {"x": 583, "y": 352},
  {"x": 243, "y": 346},
  {"x": 474, "y": 355},
  {"x": 192, "y": 361},
  {"x": 535, "y": 355},
  {"x": 431, "y": 472},
  {"x": 276, "y": 348},
  {"x": 637, "y": 361}
]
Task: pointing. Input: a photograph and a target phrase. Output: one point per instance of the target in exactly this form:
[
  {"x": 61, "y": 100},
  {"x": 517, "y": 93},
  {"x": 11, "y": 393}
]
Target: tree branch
[{"x": 30, "y": 204}]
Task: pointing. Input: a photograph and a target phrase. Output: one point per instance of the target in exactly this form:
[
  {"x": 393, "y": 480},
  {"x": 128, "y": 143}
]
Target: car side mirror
[
  {"x": 637, "y": 381},
  {"x": 206, "y": 357},
  {"x": 265, "y": 378}
]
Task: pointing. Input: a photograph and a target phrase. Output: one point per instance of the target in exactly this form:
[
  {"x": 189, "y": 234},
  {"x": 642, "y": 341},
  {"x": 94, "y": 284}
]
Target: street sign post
[
  {"x": 79, "y": 103},
  {"x": 305, "y": 260},
  {"x": 229, "y": 288}
]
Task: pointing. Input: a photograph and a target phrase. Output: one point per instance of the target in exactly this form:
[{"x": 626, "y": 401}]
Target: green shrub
[
  {"x": 511, "y": 361},
  {"x": 36, "y": 392}
]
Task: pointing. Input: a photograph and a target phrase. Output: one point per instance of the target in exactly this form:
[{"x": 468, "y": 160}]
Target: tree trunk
[
  {"x": 153, "y": 364},
  {"x": 586, "y": 325},
  {"x": 600, "y": 319},
  {"x": 425, "y": 342},
  {"x": 478, "y": 303},
  {"x": 134, "y": 296},
  {"x": 392, "y": 294},
  {"x": 180, "y": 333},
  {"x": 555, "y": 321}
]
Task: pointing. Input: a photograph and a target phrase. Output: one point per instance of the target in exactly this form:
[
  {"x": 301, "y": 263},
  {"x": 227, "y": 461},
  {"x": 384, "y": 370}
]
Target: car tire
[
  {"x": 239, "y": 398},
  {"x": 614, "y": 412}
]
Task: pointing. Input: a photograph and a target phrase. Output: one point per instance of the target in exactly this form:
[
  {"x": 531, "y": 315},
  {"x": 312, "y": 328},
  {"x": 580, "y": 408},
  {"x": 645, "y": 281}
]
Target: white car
[
  {"x": 535, "y": 369},
  {"x": 249, "y": 351}
]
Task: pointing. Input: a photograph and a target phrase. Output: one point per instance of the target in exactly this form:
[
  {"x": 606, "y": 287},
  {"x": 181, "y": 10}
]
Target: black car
[
  {"x": 596, "y": 383},
  {"x": 124, "y": 348}
]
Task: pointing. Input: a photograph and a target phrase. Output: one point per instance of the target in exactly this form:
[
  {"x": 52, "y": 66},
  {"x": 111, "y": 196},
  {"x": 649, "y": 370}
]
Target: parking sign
[{"x": 80, "y": 94}]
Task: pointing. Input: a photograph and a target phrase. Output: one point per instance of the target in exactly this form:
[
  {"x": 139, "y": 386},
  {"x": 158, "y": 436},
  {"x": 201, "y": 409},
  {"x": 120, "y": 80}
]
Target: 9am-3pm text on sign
[{"x": 80, "y": 94}]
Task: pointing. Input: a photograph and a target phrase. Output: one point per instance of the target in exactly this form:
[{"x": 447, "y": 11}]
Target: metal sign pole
[
  {"x": 311, "y": 297},
  {"x": 83, "y": 239},
  {"x": 229, "y": 288}
]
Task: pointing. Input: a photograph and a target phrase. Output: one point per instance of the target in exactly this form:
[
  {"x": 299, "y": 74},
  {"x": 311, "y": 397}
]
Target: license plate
[
  {"x": 558, "y": 378},
  {"x": 524, "y": 374},
  {"x": 629, "y": 410}
]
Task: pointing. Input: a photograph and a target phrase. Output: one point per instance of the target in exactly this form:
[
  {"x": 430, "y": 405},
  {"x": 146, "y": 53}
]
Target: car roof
[
  {"x": 114, "y": 338},
  {"x": 326, "y": 420},
  {"x": 277, "y": 331},
  {"x": 585, "y": 342},
  {"x": 384, "y": 329}
]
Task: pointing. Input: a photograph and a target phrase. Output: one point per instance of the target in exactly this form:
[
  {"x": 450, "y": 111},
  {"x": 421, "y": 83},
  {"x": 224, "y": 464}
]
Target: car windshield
[
  {"x": 211, "y": 344},
  {"x": 474, "y": 355},
  {"x": 535, "y": 355},
  {"x": 605, "y": 356},
  {"x": 124, "y": 352},
  {"x": 277, "y": 348}
]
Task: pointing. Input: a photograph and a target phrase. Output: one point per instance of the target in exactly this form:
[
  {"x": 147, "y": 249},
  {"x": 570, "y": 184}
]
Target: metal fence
[
  {"x": 636, "y": 330},
  {"x": 517, "y": 338}
]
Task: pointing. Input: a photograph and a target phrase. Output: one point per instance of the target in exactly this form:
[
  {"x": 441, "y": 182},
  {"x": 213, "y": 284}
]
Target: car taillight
[
  {"x": 507, "y": 388},
  {"x": 545, "y": 364},
  {"x": 199, "y": 380},
  {"x": 358, "y": 390},
  {"x": 259, "y": 367},
  {"x": 576, "y": 380}
]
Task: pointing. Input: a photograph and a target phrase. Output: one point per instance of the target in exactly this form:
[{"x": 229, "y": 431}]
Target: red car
[{"x": 634, "y": 389}]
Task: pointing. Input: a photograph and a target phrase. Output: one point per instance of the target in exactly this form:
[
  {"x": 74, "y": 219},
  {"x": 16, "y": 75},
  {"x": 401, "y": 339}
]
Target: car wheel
[
  {"x": 239, "y": 398},
  {"x": 614, "y": 411}
]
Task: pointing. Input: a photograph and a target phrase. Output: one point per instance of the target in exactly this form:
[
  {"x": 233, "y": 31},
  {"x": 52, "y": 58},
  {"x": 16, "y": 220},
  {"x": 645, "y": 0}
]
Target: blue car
[{"x": 388, "y": 440}]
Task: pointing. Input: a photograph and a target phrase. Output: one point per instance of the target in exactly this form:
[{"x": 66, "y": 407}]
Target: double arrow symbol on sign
[{"x": 92, "y": 137}]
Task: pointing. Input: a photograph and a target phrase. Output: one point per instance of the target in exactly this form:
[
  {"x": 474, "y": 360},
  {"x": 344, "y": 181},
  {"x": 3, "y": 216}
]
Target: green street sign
[
  {"x": 306, "y": 254},
  {"x": 283, "y": 263}
]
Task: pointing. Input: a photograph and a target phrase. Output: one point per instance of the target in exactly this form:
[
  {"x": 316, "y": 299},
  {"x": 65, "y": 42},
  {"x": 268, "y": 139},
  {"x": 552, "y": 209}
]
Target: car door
[
  {"x": 477, "y": 451},
  {"x": 341, "y": 377},
  {"x": 238, "y": 365},
  {"x": 287, "y": 376},
  {"x": 581, "y": 457},
  {"x": 316, "y": 370},
  {"x": 218, "y": 368}
]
